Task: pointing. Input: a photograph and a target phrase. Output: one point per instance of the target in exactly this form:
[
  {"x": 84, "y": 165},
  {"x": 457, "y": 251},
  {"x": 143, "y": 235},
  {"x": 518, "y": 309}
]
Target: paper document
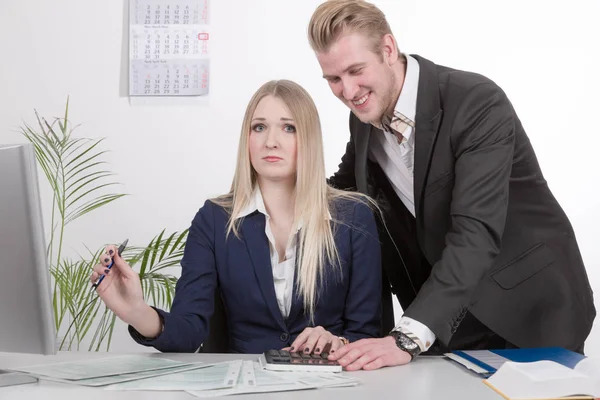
[
  {"x": 210, "y": 376},
  {"x": 254, "y": 379},
  {"x": 114, "y": 379},
  {"x": 100, "y": 367},
  {"x": 326, "y": 380},
  {"x": 547, "y": 379}
]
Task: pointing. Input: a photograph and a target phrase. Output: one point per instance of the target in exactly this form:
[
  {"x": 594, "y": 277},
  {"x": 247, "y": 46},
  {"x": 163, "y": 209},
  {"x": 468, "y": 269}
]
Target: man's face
[{"x": 360, "y": 78}]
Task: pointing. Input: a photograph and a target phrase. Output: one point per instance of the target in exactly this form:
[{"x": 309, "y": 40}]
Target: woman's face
[{"x": 272, "y": 141}]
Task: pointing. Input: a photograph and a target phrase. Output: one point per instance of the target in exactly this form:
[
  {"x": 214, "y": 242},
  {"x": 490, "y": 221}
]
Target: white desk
[{"x": 425, "y": 378}]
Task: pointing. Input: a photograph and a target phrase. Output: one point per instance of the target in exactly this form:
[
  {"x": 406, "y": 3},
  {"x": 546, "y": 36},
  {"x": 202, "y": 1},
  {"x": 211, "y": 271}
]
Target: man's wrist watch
[{"x": 406, "y": 344}]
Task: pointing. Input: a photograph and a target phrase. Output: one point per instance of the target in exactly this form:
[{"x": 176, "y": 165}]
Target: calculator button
[{"x": 295, "y": 355}]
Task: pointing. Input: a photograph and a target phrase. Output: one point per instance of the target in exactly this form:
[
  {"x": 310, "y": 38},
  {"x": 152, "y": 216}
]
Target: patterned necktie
[{"x": 397, "y": 125}]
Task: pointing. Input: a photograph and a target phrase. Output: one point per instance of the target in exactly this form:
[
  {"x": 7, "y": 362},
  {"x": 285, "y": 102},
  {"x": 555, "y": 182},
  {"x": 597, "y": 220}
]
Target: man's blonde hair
[{"x": 336, "y": 17}]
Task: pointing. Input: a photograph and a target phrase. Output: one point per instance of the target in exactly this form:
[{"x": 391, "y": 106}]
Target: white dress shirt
[
  {"x": 397, "y": 162},
  {"x": 283, "y": 272}
]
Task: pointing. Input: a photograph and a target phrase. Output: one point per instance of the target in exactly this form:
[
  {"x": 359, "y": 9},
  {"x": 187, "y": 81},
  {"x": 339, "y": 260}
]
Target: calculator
[{"x": 283, "y": 360}]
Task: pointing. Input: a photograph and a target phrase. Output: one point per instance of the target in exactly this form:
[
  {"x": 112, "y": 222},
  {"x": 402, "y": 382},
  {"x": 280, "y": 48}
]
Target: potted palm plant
[{"x": 76, "y": 172}]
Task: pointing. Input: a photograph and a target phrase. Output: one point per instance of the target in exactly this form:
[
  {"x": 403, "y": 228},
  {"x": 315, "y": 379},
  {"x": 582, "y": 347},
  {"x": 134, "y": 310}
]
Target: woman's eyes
[
  {"x": 258, "y": 128},
  {"x": 287, "y": 128}
]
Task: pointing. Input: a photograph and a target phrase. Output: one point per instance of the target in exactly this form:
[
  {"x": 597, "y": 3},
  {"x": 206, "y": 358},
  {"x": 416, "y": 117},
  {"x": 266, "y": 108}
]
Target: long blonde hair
[{"x": 314, "y": 197}]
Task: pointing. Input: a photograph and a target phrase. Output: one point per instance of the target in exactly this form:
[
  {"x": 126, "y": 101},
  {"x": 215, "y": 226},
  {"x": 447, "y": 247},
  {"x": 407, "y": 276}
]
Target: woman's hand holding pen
[{"x": 121, "y": 289}]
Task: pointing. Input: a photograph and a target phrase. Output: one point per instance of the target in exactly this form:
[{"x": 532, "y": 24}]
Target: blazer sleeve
[
  {"x": 186, "y": 326},
  {"x": 344, "y": 178},
  {"x": 362, "y": 311},
  {"x": 483, "y": 139}
]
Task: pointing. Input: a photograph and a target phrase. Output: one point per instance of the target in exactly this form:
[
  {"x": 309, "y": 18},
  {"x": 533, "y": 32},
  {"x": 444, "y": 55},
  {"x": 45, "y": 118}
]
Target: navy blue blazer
[{"x": 349, "y": 303}]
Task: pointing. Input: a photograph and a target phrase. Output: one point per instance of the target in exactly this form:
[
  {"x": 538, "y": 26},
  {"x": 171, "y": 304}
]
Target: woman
[{"x": 297, "y": 262}]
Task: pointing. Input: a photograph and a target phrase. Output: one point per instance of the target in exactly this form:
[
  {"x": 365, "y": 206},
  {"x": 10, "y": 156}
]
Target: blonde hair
[
  {"x": 336, "y": 17},
  {"x": 314, "y": 197}
]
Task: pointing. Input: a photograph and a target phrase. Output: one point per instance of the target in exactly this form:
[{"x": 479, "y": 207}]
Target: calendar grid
[{"x": 169, "y": 47}]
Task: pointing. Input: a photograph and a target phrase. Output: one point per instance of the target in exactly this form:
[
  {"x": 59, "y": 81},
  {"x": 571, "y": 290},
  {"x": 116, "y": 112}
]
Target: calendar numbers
[
  {"x": 188, "y": 78},
  {"x": 170, "y": 12},
  {"x": 169, "y": 47}
]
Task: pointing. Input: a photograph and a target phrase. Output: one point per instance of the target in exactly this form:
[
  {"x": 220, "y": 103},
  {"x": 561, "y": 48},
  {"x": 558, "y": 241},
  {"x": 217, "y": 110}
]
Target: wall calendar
[{"x": 169, "y": 45}]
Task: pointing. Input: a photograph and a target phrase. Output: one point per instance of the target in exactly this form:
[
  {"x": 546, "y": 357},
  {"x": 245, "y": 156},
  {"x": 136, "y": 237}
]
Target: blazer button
[
  {"x": 453, "y": 327},
  {"x": 284, "y": 337}
]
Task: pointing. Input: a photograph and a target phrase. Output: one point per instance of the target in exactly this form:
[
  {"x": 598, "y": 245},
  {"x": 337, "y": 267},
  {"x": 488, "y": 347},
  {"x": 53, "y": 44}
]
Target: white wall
[{"x": 171, "y": 157}]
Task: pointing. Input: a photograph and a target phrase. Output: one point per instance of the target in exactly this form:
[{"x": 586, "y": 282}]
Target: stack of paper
[
  {"x": 209, "y": 377},
  {"x": 198, "y": 379},
  {"x": 254, "y": 379},
  {"x": 106, "y": 371}
]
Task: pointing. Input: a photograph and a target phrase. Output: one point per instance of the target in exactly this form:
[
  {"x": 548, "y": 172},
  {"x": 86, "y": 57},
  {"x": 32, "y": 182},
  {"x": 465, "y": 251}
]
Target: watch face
[{"x": 407, "y": 343}]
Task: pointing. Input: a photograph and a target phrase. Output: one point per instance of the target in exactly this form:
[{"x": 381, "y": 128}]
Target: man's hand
[{"x": 370, "y": 354}]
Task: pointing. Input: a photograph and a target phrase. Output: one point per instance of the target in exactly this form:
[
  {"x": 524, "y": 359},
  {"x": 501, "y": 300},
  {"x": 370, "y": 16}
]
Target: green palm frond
[
  {"x": 76, "y": 172},
  {"x": 160, "y": 253},
  {"x": 76, "y": 300}
]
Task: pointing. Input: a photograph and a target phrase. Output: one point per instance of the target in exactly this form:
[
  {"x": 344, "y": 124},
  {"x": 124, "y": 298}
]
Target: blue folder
[{"x": 483, "y": 358}]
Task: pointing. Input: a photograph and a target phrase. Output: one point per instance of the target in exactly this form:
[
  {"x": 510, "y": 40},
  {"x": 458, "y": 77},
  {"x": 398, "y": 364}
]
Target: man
[{"x": 476, "y": 248}]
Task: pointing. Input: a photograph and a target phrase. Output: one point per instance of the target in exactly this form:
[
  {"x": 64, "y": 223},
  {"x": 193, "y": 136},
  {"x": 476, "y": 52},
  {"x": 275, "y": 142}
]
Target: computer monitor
[{"x": 26, "y": 314}]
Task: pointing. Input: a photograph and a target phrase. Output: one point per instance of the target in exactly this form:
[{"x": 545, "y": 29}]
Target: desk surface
[{"x": 425, "y": 378}]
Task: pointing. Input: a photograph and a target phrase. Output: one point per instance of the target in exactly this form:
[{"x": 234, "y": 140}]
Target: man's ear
[{"x": 390, "y": 49}]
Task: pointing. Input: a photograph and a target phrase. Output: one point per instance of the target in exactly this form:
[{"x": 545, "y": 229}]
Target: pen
[{"x": 112, "y": 261}]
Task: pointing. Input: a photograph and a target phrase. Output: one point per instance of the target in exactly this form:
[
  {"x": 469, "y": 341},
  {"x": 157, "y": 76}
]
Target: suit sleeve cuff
[
  {"x": 417, "y": 331},
  {"x": 141, "y": 339}
]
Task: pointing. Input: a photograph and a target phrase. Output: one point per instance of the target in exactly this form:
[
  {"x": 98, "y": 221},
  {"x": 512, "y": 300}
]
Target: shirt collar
[
  {"x": 407, "y": 101},
  {"x": 257, "y": 203}
]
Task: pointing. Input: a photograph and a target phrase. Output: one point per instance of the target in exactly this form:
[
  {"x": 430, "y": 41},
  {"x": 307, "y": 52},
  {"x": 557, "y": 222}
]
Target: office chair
[{"x": 218, "y": 335}]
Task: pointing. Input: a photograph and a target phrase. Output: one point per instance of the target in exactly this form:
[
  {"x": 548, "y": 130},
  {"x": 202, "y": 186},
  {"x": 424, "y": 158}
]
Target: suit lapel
[
  {"x": 361, "y": 140},
  {"x": 257, "y": 244},
  {"x": 297, "y": 304},
  {"x": 427, "y": 121}
]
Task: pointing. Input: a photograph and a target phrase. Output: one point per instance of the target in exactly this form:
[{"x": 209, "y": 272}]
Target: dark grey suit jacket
[{"x": 498, "y": 243}]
